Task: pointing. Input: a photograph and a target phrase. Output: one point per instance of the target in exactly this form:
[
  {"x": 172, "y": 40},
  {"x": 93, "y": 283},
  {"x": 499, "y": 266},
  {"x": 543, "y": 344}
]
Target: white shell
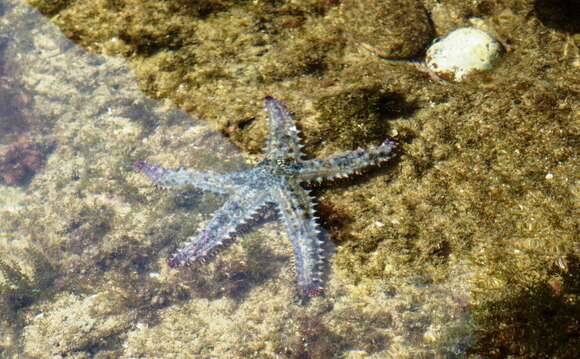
[{"x": 462, "y": 52}]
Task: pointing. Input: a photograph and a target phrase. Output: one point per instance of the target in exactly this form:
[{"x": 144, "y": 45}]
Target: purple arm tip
[
  {"x": 172, "y": 262},
  {"x": 139, "y": 165},
  {"x": 313, "y": 291}
]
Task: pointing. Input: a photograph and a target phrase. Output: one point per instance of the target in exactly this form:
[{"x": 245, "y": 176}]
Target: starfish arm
[
  {"x": 238, "y": 209},
  {"x": 206, "y": 181},
  {"x": 345, "y": 164},
  {"x": 297, "y": 213},
  {"x": 283, "y": 140}
]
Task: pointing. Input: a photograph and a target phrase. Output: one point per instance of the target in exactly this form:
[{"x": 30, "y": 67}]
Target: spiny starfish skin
[{"x": 275, "y": 182}]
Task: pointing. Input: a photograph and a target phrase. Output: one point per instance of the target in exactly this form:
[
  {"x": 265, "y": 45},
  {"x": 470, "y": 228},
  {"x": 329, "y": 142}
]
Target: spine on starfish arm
[
  {"x": 309, "y": 259},
  {"x": 349, "y": 163},
  {"x": 312, "y": 286},
  {"x": 369, "y": 157},
  {"x": 297, "y": 213},
  {"x": 361, "y": 158},
  {"x": 157, "y": 174},
  {"x": 206, "y": 180}
]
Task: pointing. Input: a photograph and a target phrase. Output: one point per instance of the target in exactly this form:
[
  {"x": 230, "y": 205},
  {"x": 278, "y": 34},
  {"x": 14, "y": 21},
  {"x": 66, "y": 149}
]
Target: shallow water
[{"x": 85, "y": 238}]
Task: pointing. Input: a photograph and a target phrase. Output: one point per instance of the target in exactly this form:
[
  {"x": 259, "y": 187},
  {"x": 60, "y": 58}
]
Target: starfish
[{"x": 274, "y": 182}]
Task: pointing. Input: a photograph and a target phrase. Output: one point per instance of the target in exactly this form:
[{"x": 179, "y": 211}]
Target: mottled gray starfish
[{"x": 275, "y": 181}]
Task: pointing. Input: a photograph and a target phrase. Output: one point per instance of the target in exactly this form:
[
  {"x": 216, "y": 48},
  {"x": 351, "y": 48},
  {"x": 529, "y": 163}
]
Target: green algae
[{"x": 481, "y": 201}]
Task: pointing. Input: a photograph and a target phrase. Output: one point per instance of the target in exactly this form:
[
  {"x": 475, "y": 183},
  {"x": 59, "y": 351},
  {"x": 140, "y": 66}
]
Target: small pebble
[{"x": 463, "y": 52}]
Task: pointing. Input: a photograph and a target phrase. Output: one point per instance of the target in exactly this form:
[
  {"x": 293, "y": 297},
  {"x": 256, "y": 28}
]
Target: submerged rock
[
  {"x": 389, "y": 28},
  {"x": 25, "y": 272},
  {"x": 20, "y": 160},
  {"x": 72, "y": 326}
]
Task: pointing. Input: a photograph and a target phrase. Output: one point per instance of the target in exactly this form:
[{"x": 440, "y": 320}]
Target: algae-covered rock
[
  {"x": 24, "y": 273},
  {"x": 72, "y": 326},
  {"x": 390, "y": 28},
  {"x": 541, "y": 317},
  {"x": 50, "y": 7},
  {"x": 8, "y": 338},
  {"x": 373, "y": 317},
  {"x": 355, "y": 116}
]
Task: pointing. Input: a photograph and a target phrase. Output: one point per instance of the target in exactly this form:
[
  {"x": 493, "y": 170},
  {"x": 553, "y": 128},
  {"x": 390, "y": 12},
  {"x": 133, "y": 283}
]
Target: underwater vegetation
[
  {"x": 21, "y": 159},
  {"x": 535, "y": 319},
  {"x": 23, "y": 148},
  {"x": 405, "y": 26},
  {"x": 25, "y": 272},
  {"x": 74, "y": 324}
]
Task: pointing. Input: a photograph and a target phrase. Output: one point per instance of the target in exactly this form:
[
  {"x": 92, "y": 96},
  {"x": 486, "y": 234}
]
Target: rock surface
[{"x": 389, "y": 28}]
